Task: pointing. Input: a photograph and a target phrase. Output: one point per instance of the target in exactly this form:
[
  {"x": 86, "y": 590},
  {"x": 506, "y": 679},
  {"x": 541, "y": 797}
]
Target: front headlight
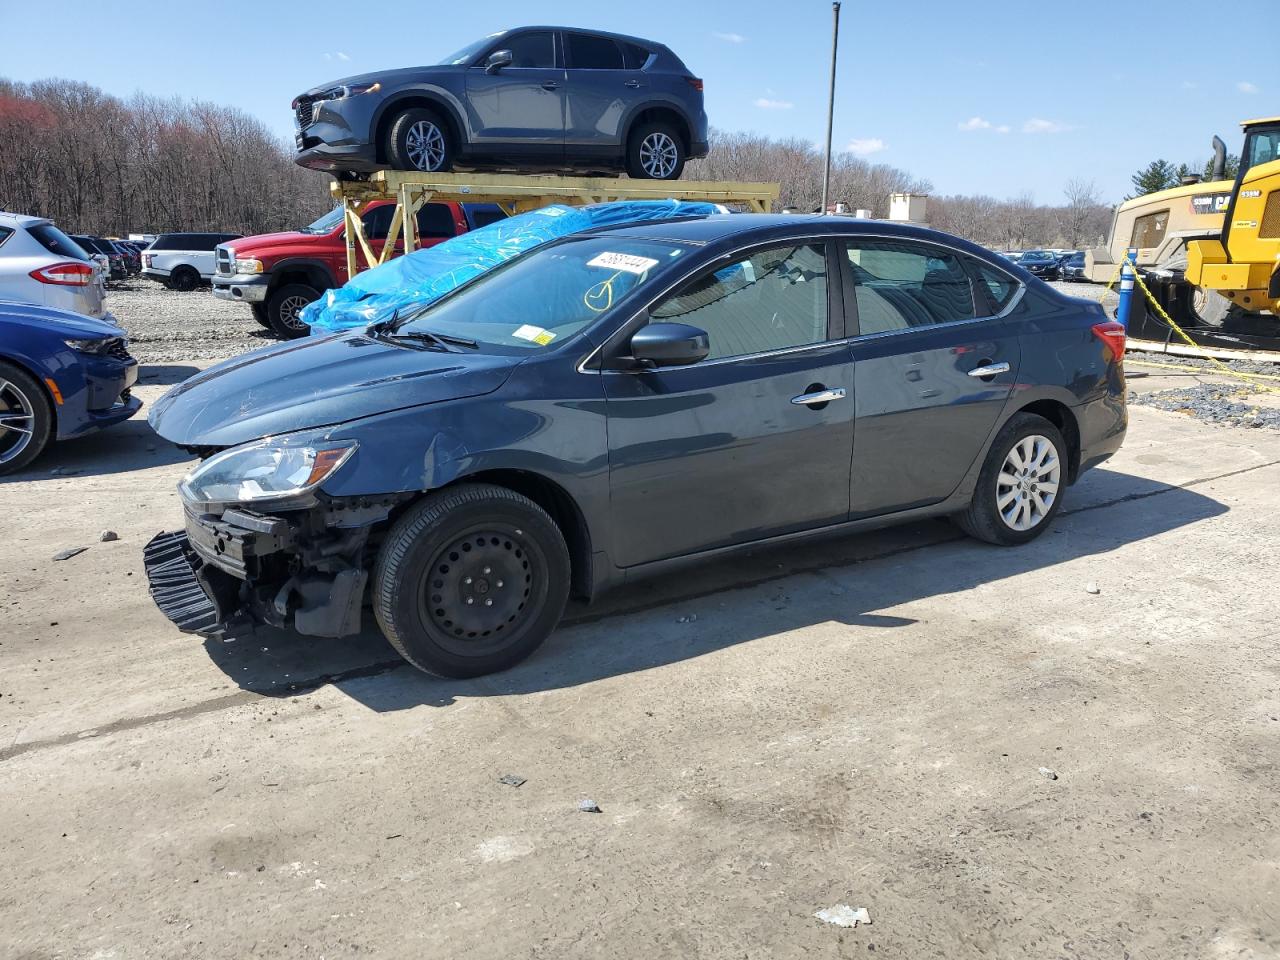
[
  {"x": 248, "y": 265},
  {"x": 264, "y": 472},
  {"x": 96, "y": 346}
]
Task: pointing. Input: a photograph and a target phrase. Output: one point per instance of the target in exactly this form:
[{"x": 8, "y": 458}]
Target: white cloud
[
  {"x": 865, "y": 146},
  {"x": 730, "y": 37},
  {"x": 974, "y": 123},
  {"x": 336, "y": 56},
  {"x": 767, "y": 103},
  {"x": 1036, "y": 125},
  {"x": 342, "y": 56},
  {"x": 1003, "y": 128},
  {"x": 1244, "y": 86}
]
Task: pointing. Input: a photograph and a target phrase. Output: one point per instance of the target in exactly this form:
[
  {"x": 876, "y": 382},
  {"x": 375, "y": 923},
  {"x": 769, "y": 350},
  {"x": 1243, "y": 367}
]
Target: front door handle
[
  {"x": 550, "y": 84},
  {"x": 989, "y": 370},
  {"x": 631, "y": 83},
  {"x": 819, "y": 396}
]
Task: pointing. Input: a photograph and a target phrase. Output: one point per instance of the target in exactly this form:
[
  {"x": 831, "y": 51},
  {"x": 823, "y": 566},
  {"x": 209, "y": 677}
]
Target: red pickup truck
[{"x": 278, "y": 274}]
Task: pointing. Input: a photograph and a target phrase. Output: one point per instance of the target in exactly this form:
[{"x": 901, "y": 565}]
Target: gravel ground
[
  {"x": 166, "y": 326},
  {"x": 1215, "y": 403}
]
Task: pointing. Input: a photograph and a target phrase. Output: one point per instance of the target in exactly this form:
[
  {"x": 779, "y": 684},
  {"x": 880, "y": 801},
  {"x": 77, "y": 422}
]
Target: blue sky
[{"x": 977, "y": 96}]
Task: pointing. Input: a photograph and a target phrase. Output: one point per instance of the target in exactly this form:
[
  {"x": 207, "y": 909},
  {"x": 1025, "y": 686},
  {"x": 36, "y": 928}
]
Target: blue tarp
[{"x": 424, "y": 276}]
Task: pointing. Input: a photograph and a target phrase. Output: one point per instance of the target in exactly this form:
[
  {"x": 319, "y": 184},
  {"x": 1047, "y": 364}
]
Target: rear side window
[
  {"x": 593, "y": 53},
  {"x": 772, "y": 300},
  {"x": 483, "y": 217},
  {"x": 168, "y": 241},
  {"x": 633, "y": 57},
  {"x": 57, "y": 242},
  {"x": 436, "y": 220},
  {"x": 531, "y": 50},
  {"x": 5, "y": 234},
  {"x": 997, "y": 285},
  {"x": 900, "y": 285}
]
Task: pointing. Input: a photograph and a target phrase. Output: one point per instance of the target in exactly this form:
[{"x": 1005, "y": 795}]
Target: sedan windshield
[
  {"x": 550, "y": 294},
  {"x": 325, "y": 223}
]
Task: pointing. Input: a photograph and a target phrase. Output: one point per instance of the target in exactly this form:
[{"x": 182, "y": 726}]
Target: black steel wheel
[
  {"x": 284, "y": 309},
  {"x": 471, "y": 580},
  {"x": 1020, "y": 487},
  {"x": 26, "y": 418},
  {"x": 184, "y": 279}
]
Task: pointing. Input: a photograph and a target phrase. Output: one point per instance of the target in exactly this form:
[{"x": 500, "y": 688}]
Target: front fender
[{"x": 441, "y": 95}]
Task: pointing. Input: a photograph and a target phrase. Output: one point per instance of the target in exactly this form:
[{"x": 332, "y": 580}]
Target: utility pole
[{"x": 831, "y": 103}]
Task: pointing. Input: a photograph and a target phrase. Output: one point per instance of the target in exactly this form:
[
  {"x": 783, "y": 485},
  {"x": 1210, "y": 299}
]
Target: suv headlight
[{"x": 264, "y": 472}]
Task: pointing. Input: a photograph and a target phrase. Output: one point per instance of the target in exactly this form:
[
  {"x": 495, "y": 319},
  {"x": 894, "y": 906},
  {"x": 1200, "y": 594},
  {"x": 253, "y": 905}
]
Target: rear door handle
[
  {"x": 631, "y": 83},
  {"x": 550, "y": 84},
  {"x": 819, "y": 396},
  {"x": 989, "y": 370}
]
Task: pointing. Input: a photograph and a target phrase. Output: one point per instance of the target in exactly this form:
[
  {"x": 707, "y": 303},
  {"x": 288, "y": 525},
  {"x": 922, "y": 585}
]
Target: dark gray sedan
[
  {"x": 534, "y": 98},
  {"x": 620, "y": 401}
]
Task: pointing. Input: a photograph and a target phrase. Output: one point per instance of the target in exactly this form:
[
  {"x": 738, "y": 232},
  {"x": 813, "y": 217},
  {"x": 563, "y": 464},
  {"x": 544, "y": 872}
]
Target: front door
[
  {"x": 519, "y": 109},
  {"x": 924, "y": 328},
  {"x": 741, "y": 445}
]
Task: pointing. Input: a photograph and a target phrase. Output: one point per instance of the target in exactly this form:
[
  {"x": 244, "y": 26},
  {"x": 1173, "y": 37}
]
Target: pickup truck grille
[
  {"x": 304, "y": 112},
  {"x": 224, "y": 261}
]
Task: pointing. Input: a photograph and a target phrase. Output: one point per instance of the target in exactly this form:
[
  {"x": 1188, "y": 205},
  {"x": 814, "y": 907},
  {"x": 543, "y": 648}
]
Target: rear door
[
  {"x": 936, "y": 365},
  {"x": 604, "y": 80},
  {"x": 519, "y": 110},
  {"x": 737, "y": 447}
]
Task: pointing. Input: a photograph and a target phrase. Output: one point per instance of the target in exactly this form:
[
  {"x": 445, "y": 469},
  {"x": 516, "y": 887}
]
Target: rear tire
[
  {"x": 419, "y": 140},
  {"x": 471, "y": 580},
  {"x": 283, "y": 307},
  {"x": 260, "y": 314},
  {"x": 26, "y": 418},
  {"x": 655, "y": 151},
  {"x": 1021, "y": 484},
  {"x": 184, "y": 279}
]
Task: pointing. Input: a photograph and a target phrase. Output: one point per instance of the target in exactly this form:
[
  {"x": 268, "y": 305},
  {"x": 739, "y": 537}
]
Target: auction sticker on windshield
[
  {"x": 627, "y": 262},
  {"x": 534, "y": 334}
]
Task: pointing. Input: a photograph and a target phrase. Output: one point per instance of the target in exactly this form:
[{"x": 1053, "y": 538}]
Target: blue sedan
[
  {"x": 618, "y": 402},
  {"x": 62, "y": 375}
]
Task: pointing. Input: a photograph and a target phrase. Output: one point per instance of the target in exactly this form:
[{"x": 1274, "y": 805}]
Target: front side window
[
  {"x": 531, "y": 50},
  {"x": 1261, "y": 146},
  {"x": 543, "y": 298},
  {"x": 436, "y": 220},
  {"x": 899, "y": 285},
  {"x": 378, "y": 221},
  {"x": 593, "y": 53},
  {"x": 771, "y": 300}
]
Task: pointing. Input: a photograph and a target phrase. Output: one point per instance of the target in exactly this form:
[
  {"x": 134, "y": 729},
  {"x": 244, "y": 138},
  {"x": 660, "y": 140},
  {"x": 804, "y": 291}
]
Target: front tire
[
  {"x": 419, "y": 140},
  {"x": 260, "y": 314},
  {"x": 655, "y": 151},
  {"x": 471, "y": 580},
  {"x": 284, "y": 307},
  {"x": 1021, "y": 484},
  {"x": 26, "y": 419}
]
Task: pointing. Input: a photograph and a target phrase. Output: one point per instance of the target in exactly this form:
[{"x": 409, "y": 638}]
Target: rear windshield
[
  {"x": 548, "y": 295},
  {"x": 57, "y": 242}
]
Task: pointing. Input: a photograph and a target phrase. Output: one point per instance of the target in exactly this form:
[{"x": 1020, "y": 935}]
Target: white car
[
  {"x": 41, "y": 264},
  {"x": 182, "y": 261}
]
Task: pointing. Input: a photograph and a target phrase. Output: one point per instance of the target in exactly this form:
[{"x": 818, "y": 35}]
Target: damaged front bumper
[{"x": 227, "y": 573}]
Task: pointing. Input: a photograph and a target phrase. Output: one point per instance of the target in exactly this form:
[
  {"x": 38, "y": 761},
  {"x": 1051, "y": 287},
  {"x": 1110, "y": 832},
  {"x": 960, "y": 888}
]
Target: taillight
[
  {"x": 69, "y": 274},
  {"x": 1112, "y": 334},
  {"x": 694, "y": 82},
  {"x": 146, "y": 260}
]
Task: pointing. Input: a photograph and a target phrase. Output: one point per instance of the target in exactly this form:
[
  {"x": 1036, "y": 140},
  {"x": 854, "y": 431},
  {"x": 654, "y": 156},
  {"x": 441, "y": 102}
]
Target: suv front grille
[
  {"x": 224, "y": 260},
  {"x": 304, "y": 112}
]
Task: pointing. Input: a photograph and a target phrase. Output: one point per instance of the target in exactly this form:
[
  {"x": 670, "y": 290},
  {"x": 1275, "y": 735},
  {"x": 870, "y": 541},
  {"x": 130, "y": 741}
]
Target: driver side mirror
[
  {"x": 669, "y": 345},
  {"x": 497, "y": 60}
]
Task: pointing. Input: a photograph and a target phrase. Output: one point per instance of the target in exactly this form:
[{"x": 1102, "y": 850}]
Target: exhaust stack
[{"x": 1219, "y": 159}]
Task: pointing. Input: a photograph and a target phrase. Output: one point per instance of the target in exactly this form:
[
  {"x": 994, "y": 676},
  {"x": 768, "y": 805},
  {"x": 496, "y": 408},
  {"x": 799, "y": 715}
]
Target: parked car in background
[
  {"x": 182, "y": 261},
  {"x": 619, "y": 402},
  {"x": 102, "y": 261},
  {"x": 62, "y": 375},
  {"x": 278, "y": 274},
  {"x": 132, "y": 258},
  {"x": 117, "y": 268},
  {"x": 1071, "y": 266},
  {"x": 41, "y": 264},
  {"x": 1041, "y": 263},
  {"x": 544, "y": 98}
]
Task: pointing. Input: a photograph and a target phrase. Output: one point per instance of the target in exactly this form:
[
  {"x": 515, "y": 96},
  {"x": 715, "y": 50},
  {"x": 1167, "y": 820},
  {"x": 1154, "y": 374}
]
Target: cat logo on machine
[{"x": 1203, "y": 203}]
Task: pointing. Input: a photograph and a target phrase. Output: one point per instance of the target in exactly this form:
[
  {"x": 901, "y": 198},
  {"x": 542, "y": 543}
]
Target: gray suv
[{"x": 545, "y": 98}]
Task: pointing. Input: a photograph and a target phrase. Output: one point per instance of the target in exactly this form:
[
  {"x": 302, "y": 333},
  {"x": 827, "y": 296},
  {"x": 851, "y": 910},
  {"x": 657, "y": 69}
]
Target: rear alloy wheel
[
  {"x": 419, "y": 140},
  {"x": 471, "y": 580},
  {"x": 26, "y": 419},
  {"x": 1021, "y": 484},
  {"x": 284, "y": 309},
  {"x": 184, "y": 279},
  {"x": 655, "y": 152}
]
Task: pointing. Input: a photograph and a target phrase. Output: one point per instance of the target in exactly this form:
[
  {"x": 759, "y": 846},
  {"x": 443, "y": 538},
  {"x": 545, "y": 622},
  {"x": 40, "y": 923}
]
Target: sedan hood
[
  {"x": 63, "y": 323},
  {"x": 317, "y": 383}
]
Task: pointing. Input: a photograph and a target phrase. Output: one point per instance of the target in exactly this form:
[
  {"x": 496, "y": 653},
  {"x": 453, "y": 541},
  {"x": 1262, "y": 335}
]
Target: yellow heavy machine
[{"x": 1209, "y": 251}]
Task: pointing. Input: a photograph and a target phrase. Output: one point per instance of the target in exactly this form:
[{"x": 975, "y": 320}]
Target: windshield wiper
[{"x": 442, "y": 340}]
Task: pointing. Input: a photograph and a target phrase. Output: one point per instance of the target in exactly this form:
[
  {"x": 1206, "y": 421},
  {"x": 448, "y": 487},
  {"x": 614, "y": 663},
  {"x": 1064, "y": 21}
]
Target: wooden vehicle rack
[{"x": 515, "y": 194}]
